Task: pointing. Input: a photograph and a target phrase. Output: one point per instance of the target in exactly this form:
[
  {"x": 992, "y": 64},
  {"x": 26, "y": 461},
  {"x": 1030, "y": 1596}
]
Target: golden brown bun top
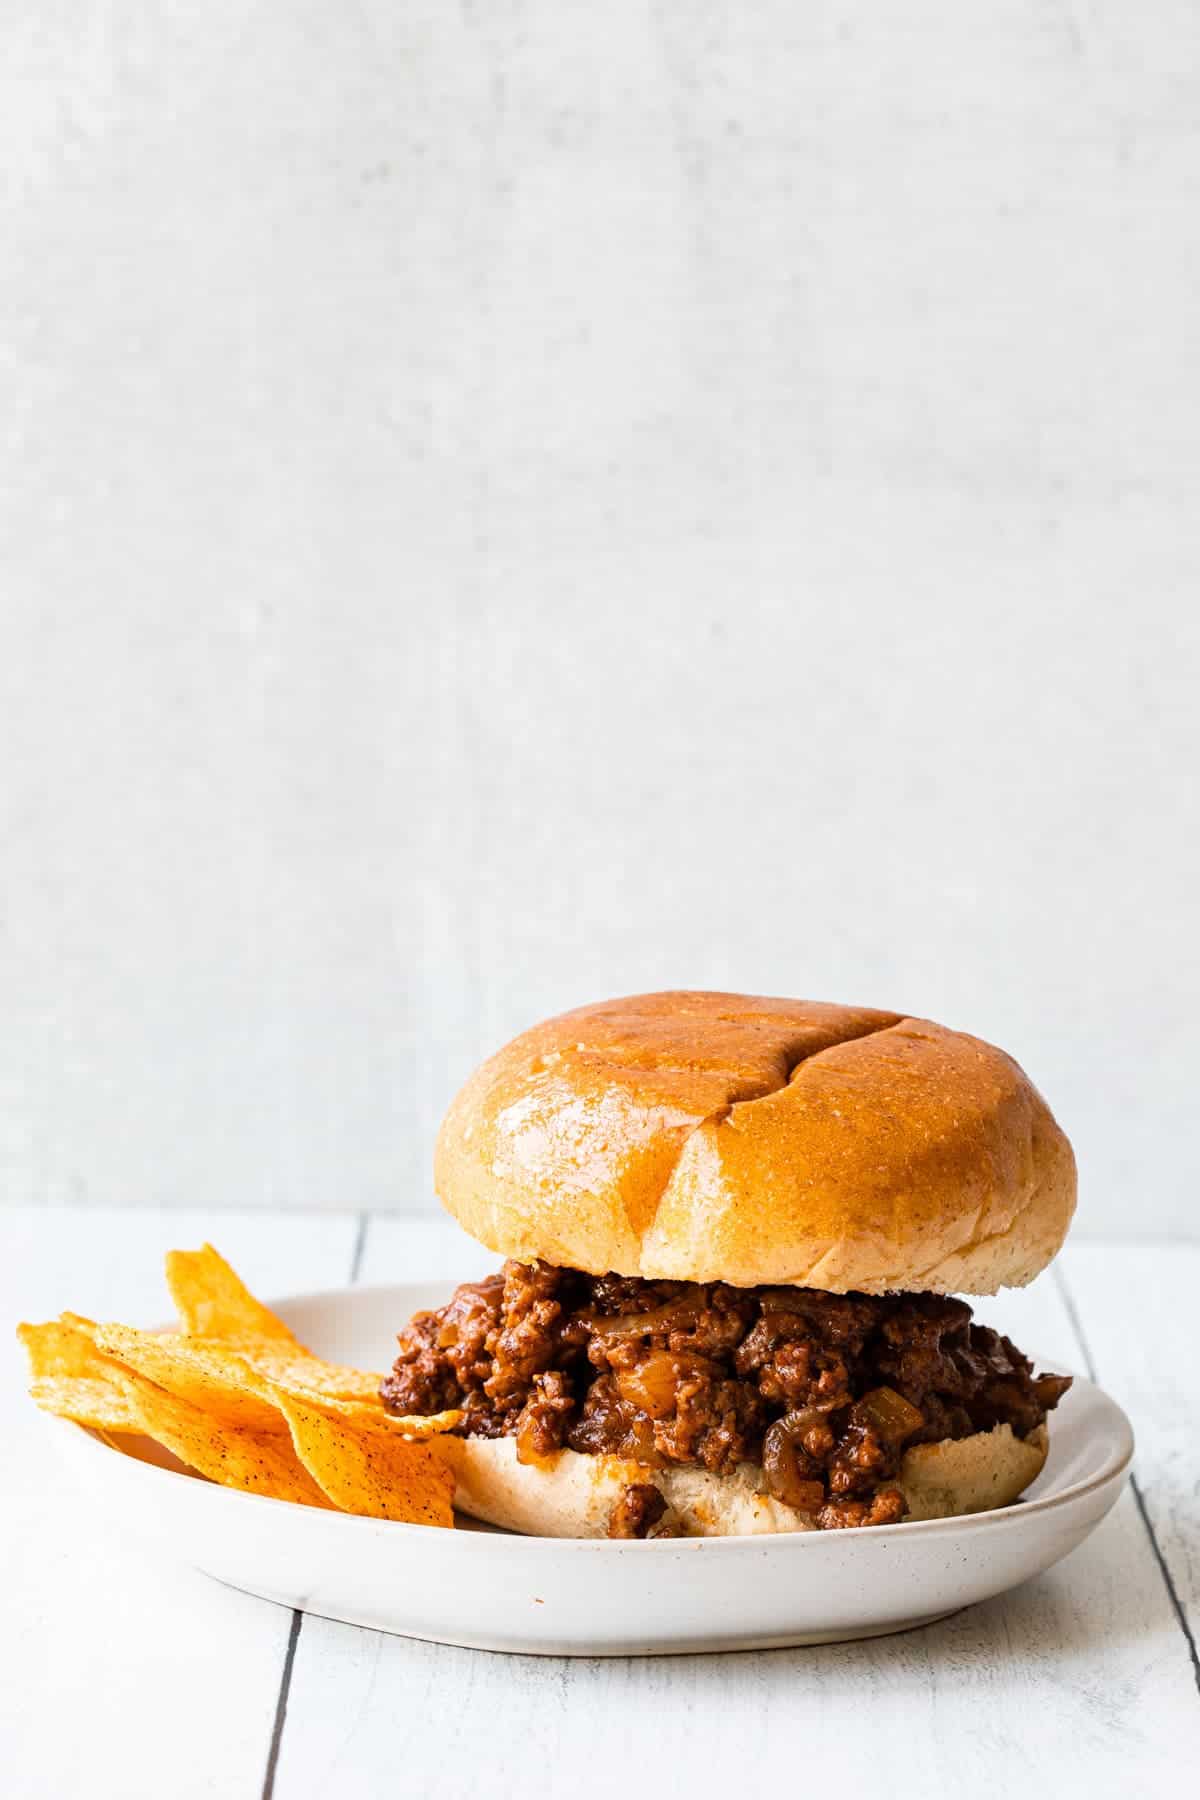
[{"x": 720, "y": 1137}]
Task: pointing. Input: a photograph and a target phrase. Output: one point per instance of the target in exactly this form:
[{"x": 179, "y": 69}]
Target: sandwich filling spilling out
[{"x": 826, "y": 1391}]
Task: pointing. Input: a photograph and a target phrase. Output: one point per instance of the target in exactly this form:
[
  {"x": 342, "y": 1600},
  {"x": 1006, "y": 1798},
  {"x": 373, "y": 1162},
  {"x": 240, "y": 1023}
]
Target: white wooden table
[{"x": 126, "y": 1677}]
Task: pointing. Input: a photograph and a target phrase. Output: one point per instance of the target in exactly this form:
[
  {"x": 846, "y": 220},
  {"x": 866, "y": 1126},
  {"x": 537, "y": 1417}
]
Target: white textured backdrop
[{"x": 508, "y": 503}]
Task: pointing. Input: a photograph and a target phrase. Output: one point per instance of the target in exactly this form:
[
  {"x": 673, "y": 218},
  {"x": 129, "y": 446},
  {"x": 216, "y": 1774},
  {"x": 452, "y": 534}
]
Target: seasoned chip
[
  {"x": 237, "y": 1379},
  {"x": 72, "y": 1378},
  {"x": 416, "y": 1426},
  {"x": 203, "y": 1371},
  {"x": 299, "y": 1371},
  {"x": 236, "y": 1397},
  {"x": 100, "y": 1405},
  {"x": 366, "y": 1467},
  {"x": 64, "y": 1347},
  {"x": 422, "y": 1425},
  {"x": 213, "y": 1302},
  {"x": 258, "y": 1461}
]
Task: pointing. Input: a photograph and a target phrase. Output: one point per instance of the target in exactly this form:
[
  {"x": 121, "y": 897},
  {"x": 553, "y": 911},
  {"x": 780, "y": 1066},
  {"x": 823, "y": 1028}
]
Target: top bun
[{"x": 720, "y": 1137}]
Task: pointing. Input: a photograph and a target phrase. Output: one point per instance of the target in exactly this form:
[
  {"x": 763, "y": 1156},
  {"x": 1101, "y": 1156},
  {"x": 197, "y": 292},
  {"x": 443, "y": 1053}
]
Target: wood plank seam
[
  {"x": 281, "y": 1700},
  {"x": 360, "y": 1244},
  {"x": 1085, "y": 1349},
  {"x": 289, "y": 1661}
]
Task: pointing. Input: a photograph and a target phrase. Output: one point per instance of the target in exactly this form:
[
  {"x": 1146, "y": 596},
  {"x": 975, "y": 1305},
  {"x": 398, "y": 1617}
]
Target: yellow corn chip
[
  {"x": 100, "y": 1405},
  {"x": 236, "y": 1380},
  {"x": 213, "y": 1302},
  {"x": 417, "y": 1426},
  {"x": 259, "y": 1462},
  {"x": 366, "y": 1467},
  {"x": 236, "y": 1397},
  {"x": 203, "y": 1371},
  {"x": 298, "y": 1371},
  {"x": 72, "y": 1378},
  {"x": 63, "y": 1347},
  {"x": 359, "y": 1414}
]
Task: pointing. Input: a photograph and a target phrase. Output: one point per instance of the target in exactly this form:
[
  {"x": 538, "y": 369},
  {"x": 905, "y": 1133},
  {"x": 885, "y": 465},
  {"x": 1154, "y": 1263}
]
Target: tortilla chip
[
  {"x": 420, "y": 1426},
  {"x": 72, "y": 1378},
  {"x": 415, "y": 1426},
  {"x": 213, "y": 1302},
  {"x": 62, "y": 1347},
  {"x": 99, "y": 1405},
  {"x": 368, "y": 1468},
  {"x": 78, "y": 1323},
  {"x": 237, "y": 1398},
  {"x": 202, "y": 1371},
  {"x": 233, "y": 1370},
  {"x": 259, "y": 1462},
  {"x": 236, "y": 1381},
  {"x": 298, "y": 1371}
]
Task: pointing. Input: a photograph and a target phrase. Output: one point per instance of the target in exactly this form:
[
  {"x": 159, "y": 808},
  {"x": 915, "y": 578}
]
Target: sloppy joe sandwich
[{"x": 736, "y": 1234}]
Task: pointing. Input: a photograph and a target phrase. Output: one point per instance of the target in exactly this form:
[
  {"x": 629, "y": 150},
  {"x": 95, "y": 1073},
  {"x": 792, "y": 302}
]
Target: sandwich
[{"x": 737, "y": 1232}]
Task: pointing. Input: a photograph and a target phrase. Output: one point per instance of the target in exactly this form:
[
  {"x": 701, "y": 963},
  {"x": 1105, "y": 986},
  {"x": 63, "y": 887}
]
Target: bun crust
[
  {"x": 719, "y": 1137},
  {"x": 569, "y": 1495}
]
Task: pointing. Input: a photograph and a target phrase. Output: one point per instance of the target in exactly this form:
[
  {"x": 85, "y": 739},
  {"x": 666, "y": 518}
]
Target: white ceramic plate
[{"x": 551, "y": 1596}]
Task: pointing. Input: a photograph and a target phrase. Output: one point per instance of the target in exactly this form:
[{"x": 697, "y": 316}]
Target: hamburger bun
[
  {"x": 571, "y": 1495},
  {"x": 698, "y": 1136}
]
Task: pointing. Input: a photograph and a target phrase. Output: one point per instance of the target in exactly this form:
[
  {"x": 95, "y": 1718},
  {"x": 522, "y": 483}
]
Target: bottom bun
[{"x": 570, "y": 1495}]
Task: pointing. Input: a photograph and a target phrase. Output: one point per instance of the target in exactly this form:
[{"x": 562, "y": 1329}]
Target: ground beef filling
[
  {"x": 826, "y": 1391},
  {"x": 637, "y": 1512}
]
